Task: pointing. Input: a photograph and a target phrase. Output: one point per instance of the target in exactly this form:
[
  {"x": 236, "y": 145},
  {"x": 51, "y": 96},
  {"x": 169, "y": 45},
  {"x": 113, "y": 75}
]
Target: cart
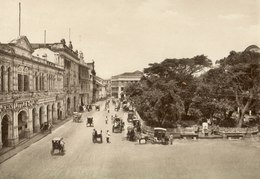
[
  {"x": 58, "y": 144},
  {"x": 90, "y": 121},
  {"x": 97, "y": 136},
  {"x": 46, "y": 127},
  {"x": 77, "y": 117},
  {"x": 118, "y": 125},
  {"x": 160, "y": 136}
]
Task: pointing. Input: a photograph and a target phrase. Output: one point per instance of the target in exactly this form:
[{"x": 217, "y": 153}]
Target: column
[
  {"x": 13, "y": 137},
  {"x": 31, "y": 82},
  {"x": 15, "y": 79},
  {"x": 11, "y": 86},
  {"x": 1, "y": 143},
  {"x": 49, "y": 113},
  {"x": 22, "y": 82},
  {"x": 36, "y": 119},
  {"x": 29, "y": 129},
  {"x": 5, "y": 81},
  {"x": 39, "y": 81},
  {"x": 54, "y": 113},
  {"x": 44, "y": 116}
]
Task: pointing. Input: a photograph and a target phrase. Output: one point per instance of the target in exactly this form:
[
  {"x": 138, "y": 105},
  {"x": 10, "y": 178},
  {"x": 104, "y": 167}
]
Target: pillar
[
  {"x": 5, "y": 81},
  {"x": 22, "y": 82},
  {"x": 54, "y": 113},
  {"x": 11, "y": 80},
  {"x": 13, "y": 137},
  {"x": 1, "y": 143},
  {"x": 44, "y": 116},
  {"x": 36, "y": 119},
  {"x": 29, "y": 129},
  {"x": 49, "y": 113}
]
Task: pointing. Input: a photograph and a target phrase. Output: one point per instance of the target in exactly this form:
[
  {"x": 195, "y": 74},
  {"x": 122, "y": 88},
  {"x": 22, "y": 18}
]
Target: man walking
[
  {"x": 106, "y": 119},
  {"x": 108, "y": 136}
]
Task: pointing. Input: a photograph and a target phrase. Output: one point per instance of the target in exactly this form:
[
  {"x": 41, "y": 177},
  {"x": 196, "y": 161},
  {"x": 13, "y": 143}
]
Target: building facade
[
  {"x": 39, "y": 83},
  {"x": 119, "y": 82}
]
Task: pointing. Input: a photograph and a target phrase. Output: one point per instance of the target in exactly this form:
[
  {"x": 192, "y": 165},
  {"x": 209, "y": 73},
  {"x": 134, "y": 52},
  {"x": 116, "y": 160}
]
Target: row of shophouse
[{"x": 42, "y": 83}]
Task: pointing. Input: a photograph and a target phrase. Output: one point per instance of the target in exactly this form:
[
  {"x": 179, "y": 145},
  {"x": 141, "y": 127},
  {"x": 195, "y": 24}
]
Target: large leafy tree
[
  {"x": 167, "y": 89},
  {"x": 183, "y": 72},
  {"x": 242, "y": 70}
]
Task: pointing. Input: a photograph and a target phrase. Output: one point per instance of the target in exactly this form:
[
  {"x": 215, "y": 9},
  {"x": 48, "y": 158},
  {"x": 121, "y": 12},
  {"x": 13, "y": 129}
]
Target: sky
[{"x": 127, "y": 35}]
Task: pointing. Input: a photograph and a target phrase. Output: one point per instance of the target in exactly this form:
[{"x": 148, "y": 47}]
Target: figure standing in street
[
  {"x": 108, "y": 136},
  {"x": 106, "y": 119},
  {"x": 171, "y": 138}
]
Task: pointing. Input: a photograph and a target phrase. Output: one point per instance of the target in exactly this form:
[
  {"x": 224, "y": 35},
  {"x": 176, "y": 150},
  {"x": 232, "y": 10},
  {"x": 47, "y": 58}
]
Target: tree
[
  {"x": 166, "y": 90},
  {"x": 242, "y": 74}
]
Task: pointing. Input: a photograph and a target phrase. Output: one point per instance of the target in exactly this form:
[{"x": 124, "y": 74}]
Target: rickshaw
[
  {"x": 58, "y": 144},
  {"x": 97, "y": 107},
  {"x": 90, "y": 121},
  {"x": 96, "y": 136},
  {"x": 77, "y": 117},
  {"x": 130, "y": 115},
  {"x": 160, "y": 136},
  {"x": 118, "y": 125}
]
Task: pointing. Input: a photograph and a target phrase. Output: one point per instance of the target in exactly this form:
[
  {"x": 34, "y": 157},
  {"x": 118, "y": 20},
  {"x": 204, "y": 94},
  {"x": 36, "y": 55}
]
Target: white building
[{"x": 119, "y": 82}]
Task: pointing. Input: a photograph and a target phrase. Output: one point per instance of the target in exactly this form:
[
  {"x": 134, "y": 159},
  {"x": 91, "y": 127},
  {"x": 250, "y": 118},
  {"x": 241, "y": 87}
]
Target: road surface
[{"x": 123, "y": 159}]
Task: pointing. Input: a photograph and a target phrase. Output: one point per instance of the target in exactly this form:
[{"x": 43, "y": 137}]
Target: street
[{"x": 124, "y": 159}]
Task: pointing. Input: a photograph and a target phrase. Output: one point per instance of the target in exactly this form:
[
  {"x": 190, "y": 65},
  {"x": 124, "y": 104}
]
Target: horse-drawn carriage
[
  {"x": 58, "y": 144},
  {"x": 77, "y": 117},
  {"x": 90, "y": 121},
  {"x": 46, "y": 127},
  {"x": 131, "y": 133},
  {"x": 118, "y": 125},
  {"x": 96, "y": 136}
]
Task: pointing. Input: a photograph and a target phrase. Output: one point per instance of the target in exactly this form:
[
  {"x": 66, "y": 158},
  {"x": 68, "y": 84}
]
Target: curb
[{"x": 25, "y": 144}]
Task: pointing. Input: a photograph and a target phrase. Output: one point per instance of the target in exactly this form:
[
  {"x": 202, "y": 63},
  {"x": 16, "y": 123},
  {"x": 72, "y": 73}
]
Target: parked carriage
[
  {"x": 131, "y": 133},
  {"x": 160, "y": 136},
  {"x": 58, "y": 144},
  {"x": 77, "y": 117}
]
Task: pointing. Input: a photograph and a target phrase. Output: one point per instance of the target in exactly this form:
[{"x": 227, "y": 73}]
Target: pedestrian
[
  {"x": 106, "y": 119},
  {"x": 108, "y": 111},
  {"x": 94, "y": 134},
  {"x": 108, "y": 136},
  {"x": 171, "y": 139}
]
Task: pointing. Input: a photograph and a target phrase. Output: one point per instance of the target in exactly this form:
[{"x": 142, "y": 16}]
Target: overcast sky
[{"x": 127, "y": 35}]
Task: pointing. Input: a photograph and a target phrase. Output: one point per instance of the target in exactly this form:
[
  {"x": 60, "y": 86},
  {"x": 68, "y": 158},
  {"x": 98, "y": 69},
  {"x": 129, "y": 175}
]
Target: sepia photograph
[{"x": 129, "y": 89}]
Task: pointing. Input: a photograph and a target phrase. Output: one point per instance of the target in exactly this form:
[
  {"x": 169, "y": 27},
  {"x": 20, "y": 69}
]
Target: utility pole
[
  {"x": 69, "y": 34},
  {"x": 19, "y": 19},
  {"x": 45, "y": 37}
]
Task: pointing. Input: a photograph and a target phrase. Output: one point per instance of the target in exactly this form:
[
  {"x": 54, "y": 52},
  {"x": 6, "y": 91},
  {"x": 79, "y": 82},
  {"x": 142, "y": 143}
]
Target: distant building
[
  {"x": 119, "y": 82},
  {"x": 102, "y": 91}
]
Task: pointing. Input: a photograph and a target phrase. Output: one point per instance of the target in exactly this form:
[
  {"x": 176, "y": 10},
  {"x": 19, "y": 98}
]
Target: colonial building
[
  {"x": 119, "y": 82},
  {"x": 31, "y": 91},
  {"x": 78, "y": 77},
  {"x": 39, "y": 83}
]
